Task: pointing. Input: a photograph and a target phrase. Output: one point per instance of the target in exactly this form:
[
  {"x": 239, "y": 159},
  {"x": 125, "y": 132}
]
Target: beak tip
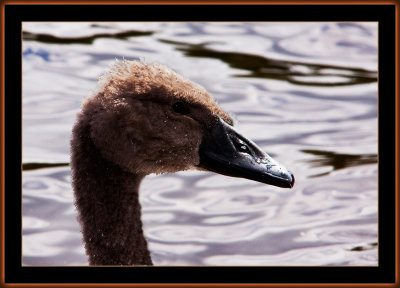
[{"x": 293, "y": 180}]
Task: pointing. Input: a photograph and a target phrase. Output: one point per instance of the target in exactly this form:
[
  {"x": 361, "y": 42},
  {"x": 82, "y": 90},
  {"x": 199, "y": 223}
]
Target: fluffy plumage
[{"x": 125, "y": 131}]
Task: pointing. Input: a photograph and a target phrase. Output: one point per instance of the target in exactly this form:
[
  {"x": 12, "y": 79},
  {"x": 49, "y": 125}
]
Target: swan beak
[{"x": 225, "y": 151}]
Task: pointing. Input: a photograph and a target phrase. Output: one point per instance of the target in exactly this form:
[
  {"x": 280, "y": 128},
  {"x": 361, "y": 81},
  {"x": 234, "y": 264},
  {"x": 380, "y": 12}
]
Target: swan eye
[{"x": 180, "y": 107}]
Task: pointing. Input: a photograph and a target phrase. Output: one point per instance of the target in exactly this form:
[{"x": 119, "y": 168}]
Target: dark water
[{"x": 305, "y": 92}]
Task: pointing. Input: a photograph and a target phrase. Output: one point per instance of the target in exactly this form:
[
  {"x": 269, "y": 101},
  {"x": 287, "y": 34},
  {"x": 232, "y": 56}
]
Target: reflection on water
[
  {"x": 339, "y": 161},
  {"x": 293, "y": 72},
  {"x": 48, "y": 38},
  {"x": 33, "y": 166},
  {"x": 306, "y": 93},
  {"x": 365, "y": 247}
]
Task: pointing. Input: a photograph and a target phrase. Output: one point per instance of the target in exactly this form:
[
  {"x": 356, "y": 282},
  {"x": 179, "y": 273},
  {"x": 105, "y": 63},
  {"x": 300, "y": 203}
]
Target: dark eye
[{"x": 180, "y": 107}]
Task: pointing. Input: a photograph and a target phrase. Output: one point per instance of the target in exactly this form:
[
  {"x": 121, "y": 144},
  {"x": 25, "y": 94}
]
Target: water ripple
[{"x": 306, "y": 93}]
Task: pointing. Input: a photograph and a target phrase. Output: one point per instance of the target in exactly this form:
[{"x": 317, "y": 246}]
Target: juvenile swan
[{"x": 143, "y": 119}]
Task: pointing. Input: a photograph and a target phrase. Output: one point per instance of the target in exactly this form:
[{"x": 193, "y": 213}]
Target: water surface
[{"x": 304, "y": 92}]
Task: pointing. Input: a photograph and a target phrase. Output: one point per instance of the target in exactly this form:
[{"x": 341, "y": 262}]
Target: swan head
[{"x": 147, "y": 119}]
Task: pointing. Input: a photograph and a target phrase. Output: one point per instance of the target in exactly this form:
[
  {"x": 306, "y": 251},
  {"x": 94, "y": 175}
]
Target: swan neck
[{"x": 109, "y": 210}]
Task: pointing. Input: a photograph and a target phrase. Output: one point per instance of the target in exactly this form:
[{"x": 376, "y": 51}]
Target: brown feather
[{"x": 124, "y": 132}]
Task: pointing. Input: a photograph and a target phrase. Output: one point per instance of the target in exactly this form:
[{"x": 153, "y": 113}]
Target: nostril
[
  {"x": 244, "y": 148},
  {"x": 240, "y": 145}
]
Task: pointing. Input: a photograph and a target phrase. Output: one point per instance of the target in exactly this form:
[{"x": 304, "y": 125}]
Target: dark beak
[{"x": 225, "y": 151}]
